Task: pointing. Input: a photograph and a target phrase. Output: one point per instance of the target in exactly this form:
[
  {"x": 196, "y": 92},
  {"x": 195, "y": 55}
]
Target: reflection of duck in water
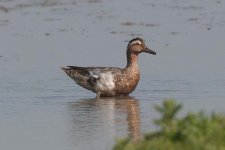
[
  {"x": 107, "y": 116},
  {"x": 111, "y": 81}
]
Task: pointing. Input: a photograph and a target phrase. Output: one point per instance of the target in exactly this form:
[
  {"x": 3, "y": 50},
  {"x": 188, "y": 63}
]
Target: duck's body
[
  {"x": 105, "y": 81},
  {"x": 111, "y": 81}
]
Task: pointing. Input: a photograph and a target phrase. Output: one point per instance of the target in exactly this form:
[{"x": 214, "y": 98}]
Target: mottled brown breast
[{"x": 127, "y": 81}]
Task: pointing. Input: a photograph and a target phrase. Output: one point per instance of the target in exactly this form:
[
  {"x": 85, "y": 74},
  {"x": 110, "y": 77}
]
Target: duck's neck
[{"x": 132, "y": 60}]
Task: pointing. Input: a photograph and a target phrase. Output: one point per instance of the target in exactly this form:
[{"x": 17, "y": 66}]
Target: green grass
[{"x": 194, "y": 131}]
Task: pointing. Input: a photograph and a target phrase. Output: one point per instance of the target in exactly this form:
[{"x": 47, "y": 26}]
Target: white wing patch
[
  {"x": 105, "y": 80},
  {"x": 95, "y": 74}
]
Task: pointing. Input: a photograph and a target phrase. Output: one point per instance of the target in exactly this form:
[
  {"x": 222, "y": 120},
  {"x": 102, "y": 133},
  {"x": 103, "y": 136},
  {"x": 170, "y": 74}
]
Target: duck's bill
[{"x": 147, "y": 50}]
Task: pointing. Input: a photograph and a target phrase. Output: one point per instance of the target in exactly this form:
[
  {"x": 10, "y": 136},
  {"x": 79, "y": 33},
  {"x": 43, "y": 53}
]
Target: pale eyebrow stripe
[{"x": 135, "y": 42}]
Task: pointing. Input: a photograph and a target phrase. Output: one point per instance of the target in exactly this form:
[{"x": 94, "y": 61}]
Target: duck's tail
[
  {"x": 72, "y": 72},
  {"x": 66, "y": 70},
  {"x": 80, "y": 79}
]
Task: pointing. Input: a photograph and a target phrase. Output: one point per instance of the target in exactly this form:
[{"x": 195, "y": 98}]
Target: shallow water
[{"x": 41, "y": 108}]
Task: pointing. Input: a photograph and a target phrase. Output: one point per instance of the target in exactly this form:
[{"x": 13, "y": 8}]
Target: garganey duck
[{"x": 111, "y": 81}]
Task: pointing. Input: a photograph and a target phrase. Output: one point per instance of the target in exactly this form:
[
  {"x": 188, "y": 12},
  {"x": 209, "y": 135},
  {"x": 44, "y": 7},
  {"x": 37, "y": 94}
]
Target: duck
[{"x": 112, "y": 81}]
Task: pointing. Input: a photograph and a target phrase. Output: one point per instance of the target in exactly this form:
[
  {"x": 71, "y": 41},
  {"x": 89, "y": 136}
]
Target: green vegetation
[{"x": 195, "y": 131}]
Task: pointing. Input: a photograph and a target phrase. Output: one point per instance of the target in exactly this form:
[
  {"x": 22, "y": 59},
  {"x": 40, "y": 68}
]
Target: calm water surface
[{"x": 41, "y": 108}]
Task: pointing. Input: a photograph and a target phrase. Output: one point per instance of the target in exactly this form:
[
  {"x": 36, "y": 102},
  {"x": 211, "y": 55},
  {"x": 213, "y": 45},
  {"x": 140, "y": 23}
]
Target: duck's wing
[{"x": 87, "y": 77}]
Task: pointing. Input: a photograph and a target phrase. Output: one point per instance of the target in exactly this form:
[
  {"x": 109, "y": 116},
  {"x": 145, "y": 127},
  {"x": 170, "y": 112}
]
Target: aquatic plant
[{"x": 193, "y": 131}]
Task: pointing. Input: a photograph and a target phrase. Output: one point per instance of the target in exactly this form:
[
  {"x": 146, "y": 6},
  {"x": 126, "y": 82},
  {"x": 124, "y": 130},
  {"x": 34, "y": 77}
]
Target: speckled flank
[{"x": 111, "y": 81}]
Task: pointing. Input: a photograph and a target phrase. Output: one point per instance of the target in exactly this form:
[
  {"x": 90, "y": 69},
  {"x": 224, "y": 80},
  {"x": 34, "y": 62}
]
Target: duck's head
[{"x": 137, "y": 45}]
